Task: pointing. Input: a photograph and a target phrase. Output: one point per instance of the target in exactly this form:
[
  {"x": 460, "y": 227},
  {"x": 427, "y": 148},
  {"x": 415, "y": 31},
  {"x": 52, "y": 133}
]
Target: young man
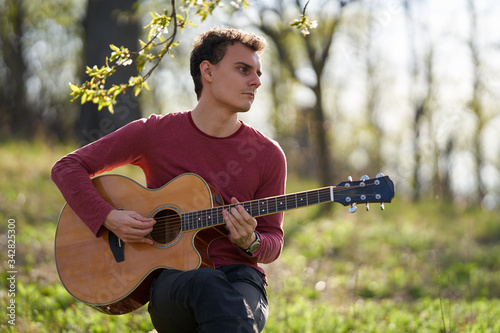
[{"x": 210, "y": 140}]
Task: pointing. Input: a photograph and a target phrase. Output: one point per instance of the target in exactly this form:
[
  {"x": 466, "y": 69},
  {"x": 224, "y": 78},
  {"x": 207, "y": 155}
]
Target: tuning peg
[
  {"x": 353, "y": 207},
  {"x": 363, "y": 179},
  {"x": 367, "y": 206},
  {"x": 379, "y": 175},
  {"x": 382, "y": 207}
]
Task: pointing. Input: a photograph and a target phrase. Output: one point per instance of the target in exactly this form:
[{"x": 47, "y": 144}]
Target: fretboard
[{"x": 213, "y": 216}]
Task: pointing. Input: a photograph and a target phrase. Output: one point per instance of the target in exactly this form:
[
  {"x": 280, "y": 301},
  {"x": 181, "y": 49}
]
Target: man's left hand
[{"x": 241, "y": 225}]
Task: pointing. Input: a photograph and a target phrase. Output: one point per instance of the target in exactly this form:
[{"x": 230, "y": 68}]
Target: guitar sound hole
[{"x": 167, "y": 227}]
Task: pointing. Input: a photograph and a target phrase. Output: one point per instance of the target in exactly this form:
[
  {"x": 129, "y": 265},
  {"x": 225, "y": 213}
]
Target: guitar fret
[
  {"x": 255, "y": 208},
  {"x": 301, "y": 199},
  {"x": 314, "y": 197},
  {"x": 195, "y": 221},
  {"x": 184, "y": 222},
  {"x": 220, "y": 217},
  {"x": 248, "y": 208},
  {"x": 282, "y": 202},
  {"x": 208, "y": 220},
  {"x": 189, "y": 222},
  {"x": 272, "y": 207},
  {"x": 200, "y": 219},
  {"x": 291, "y": 201}
]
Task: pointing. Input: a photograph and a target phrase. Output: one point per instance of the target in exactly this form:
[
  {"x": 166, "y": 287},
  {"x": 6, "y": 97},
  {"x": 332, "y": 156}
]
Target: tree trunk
[
  {"x": 15, "y": 119},
  {"x": 109, "y": 22},
  {"x": 475, "y": 103}
]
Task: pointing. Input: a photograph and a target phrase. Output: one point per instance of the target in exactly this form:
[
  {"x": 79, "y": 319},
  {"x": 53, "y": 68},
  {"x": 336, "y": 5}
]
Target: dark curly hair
[{"x": 212, "y": 46}]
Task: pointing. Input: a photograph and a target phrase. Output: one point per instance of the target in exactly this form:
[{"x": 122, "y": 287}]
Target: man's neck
[{"x": 215, "y": 122}]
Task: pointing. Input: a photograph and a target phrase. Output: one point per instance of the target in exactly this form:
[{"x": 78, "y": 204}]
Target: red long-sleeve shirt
[{"x": 246, "y": 165}]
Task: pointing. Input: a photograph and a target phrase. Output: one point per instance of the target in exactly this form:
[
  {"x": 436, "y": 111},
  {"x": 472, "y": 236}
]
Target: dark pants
[{"x": 229, "y": 299}]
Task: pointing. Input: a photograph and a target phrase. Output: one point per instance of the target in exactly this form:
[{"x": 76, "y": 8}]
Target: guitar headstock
[{"x": 379, "y": 189}]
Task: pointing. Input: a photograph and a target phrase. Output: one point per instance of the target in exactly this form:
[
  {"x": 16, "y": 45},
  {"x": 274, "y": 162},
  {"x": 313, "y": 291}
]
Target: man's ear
[{"x": 206, "y": 70}]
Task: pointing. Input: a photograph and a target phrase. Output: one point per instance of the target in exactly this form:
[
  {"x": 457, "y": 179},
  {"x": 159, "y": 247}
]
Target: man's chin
[{"x": 244, "y": 109}]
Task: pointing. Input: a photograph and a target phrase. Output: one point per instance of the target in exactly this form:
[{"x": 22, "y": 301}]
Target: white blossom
[{"x": 124, "y": 61}]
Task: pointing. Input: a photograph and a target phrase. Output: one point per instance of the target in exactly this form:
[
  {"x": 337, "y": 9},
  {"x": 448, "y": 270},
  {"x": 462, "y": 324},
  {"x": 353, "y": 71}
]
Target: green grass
[{"x": 415, "y": 267}]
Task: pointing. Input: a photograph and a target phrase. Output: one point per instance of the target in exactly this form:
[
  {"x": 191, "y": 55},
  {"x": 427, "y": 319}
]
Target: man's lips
[{"x": 249, "y": 93}]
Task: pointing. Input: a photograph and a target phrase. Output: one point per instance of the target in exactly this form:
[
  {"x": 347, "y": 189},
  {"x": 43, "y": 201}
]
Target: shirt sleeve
[
  {"x": 270, "y": 227},
  {"x": 72, "y": 173}
]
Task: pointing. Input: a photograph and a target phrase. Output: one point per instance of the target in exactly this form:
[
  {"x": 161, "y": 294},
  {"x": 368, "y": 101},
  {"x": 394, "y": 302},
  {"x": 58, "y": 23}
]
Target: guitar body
[{"x": 118, "y": 283}]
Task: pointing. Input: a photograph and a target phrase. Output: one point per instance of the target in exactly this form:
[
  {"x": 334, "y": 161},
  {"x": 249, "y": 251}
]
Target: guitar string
[
  {"x": 190, "y": 223},
  {"x": 218, "y": 210},
  {"x": 167, "y": 227},
  {"x": 184, "y": 222}
]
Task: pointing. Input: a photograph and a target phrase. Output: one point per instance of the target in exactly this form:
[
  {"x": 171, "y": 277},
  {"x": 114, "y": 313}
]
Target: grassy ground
[{"x": 426, "y": 267}]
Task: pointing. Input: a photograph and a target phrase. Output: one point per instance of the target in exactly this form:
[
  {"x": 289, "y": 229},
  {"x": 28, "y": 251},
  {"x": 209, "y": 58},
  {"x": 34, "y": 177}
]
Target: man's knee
[
  {"x": 209, "y": 283},
  {"x": 207, "y": 277}
]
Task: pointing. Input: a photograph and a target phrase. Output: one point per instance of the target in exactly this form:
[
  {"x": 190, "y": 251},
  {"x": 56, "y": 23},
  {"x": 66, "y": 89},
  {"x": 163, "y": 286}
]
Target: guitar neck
[
  {"x": 213, "y": 216},
  {"x": 380, "y": 189}
]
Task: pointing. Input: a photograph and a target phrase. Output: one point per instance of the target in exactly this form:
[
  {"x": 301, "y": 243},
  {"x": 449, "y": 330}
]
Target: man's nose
[{"x": 255, "y": 82}]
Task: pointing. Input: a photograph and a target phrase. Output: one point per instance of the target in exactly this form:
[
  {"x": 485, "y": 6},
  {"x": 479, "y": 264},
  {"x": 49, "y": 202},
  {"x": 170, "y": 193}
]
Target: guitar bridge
[{"x": 116, "y": 246}]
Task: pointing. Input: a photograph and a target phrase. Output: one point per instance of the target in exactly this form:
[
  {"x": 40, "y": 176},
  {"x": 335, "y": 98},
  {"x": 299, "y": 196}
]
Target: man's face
[{"x": 236, "y": 77}]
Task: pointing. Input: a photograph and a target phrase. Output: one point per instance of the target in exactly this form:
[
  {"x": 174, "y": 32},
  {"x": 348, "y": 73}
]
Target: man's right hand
[{"x": 130, "y": 226}]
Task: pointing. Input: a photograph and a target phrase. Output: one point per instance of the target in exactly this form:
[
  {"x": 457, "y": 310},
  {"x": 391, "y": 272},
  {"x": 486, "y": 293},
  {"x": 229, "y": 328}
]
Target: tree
[
  {"x": 313, "y": 52},
  {"x": 13, "y": 109},
  {"x": 475, "y": 103},
  {"x": 421, "y": 95},
  {"x": 35, "y": 67},
  {"x": 109, "y": 22}
]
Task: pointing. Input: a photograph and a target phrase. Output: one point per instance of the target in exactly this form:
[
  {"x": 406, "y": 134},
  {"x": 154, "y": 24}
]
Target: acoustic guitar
[{"x": 114, "y": 277}]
